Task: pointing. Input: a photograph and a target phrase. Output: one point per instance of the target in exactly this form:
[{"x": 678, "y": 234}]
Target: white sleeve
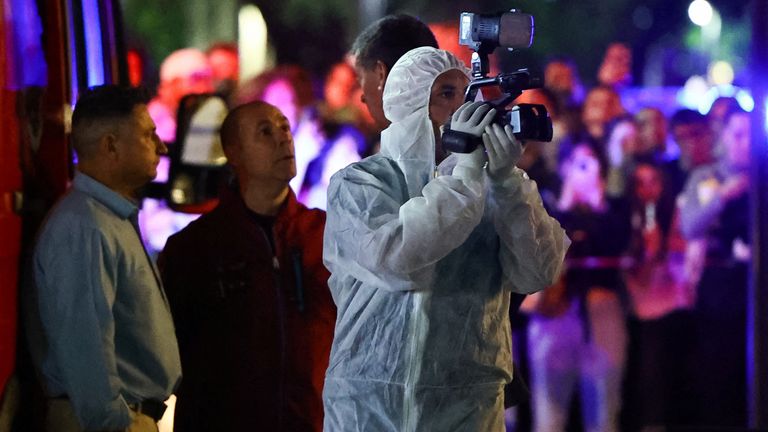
[
  {"x": 533, "y": 244},
  {"x": 380, "y": 237}
]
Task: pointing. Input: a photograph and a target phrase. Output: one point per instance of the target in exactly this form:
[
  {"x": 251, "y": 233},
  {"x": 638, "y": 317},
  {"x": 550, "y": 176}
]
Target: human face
[
  {"x": 138, "y": 149},
  {"x": 340, "y": 85},
  {"x": 736, "y": 140},
  {"x": 695, "y": 141},
  {"x": 559, "y": 76},
  {"x": 600, "y": 106},
  {"x": 648, "y": 184},
  {"x": 264, "y": 151},
  {"x": 446, "y": 96},
  {"x": 198, "y": 80},
  {"x": 224, "y": 65},
  {"x": 652, "y": 126},
  {"x": 372, "y": 83},
  {"x": 617, "y": 65}
]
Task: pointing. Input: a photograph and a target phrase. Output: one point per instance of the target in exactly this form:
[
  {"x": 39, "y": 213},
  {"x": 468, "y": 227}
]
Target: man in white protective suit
[{"x": 424, "y": 251}]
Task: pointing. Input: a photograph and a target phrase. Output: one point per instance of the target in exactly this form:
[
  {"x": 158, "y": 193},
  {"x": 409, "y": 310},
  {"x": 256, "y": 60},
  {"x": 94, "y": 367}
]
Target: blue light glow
[
  {"x": 766, "y": 115},
  {"x": 742, "y": 96},
  {"x": 93, "y": 45}
]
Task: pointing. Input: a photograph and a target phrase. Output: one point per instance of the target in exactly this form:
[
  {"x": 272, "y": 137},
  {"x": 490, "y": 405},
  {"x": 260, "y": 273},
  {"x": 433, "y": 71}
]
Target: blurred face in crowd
[
  {"x": 648, "y": 183},
  {"x": 185, "y": 71},
  {"x": 717, "y": 112},
  {"x": 559, "y": 76},
  {"x": 225, "y": 65},
  {"x": 736, "y": 139},
  {"x": 340, "y": 86},
  {"x": 372, "y": 83},
  {"x": 616, "y": 69},
  {"x": 264, "y": 148},
  {"x": 696, "y": 141},
  {"x": 196, "y": 81},
  {"x": 600, "y": 106},
  {"x": 652, "y": 127},
  {"x": 446, "y": 96}
]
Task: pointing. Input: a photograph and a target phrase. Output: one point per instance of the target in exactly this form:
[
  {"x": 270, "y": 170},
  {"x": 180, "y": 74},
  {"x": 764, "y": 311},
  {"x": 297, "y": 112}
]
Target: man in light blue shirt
[{"x": 101, "y": 331}]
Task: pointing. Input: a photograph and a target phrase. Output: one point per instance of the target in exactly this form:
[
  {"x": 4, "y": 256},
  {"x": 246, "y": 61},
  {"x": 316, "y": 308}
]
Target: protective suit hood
[{"x": 410, "y": 139}]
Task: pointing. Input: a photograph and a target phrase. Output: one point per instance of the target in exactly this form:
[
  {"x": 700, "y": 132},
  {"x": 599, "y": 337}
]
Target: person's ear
[
  {"x": 232, "y": 153},
  {"x": 381, "y": 71},
  {"x": 109, "y": 146}
]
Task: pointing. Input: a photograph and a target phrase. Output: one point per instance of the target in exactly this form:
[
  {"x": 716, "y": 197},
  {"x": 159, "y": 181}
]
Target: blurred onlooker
[
  {"x": 577, "y": 330},
  {"x": 621, "y": 143},
  {"x": 652, "y": 133},
  {"x": 561, "y": 77},
  {"x": 616, "y": 69},
  {"x": 185, "y": 71},
  {"x": 715, "y": 219},
  {"x": 694, "y": 137},
  {"x": 662, "y": 338},
  {"x": 342, "y": 102},
  {"x": 225, "y": 65},
  {"x": 601, "y": 105},
  {"x": 717, "y": 112},
  {"x": 653, "y": 130}
]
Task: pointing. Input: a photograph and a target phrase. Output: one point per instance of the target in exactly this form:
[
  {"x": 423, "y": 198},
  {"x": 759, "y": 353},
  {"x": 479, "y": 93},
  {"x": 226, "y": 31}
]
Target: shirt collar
[{"x": 119, "y": 205}]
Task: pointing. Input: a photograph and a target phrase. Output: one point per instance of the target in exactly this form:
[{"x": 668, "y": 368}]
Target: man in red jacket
[{"x": 249, "y": 294}]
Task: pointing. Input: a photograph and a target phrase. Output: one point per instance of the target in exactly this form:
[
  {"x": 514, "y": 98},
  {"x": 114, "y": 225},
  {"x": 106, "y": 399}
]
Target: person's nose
[
  {"x": 285, "y": 137},
  {"x": 160, "y": 146}
]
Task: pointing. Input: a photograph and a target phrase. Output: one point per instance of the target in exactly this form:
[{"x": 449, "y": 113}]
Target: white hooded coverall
[{"x": 422, "y": 269}]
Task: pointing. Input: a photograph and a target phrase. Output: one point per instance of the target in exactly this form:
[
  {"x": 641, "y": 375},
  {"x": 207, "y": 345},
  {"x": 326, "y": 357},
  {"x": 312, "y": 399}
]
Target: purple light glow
[{"x": 92, "y": 30}]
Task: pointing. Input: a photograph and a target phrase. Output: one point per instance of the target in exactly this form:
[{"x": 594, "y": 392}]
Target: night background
[{"x": 667, "y": 47}]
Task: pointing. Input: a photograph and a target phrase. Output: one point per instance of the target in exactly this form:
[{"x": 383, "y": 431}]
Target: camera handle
[{"x": 480, "y": 63}]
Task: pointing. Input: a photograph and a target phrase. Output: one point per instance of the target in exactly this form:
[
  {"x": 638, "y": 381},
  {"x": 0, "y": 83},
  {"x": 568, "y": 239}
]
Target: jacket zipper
[{"x": 281, "y": 323}]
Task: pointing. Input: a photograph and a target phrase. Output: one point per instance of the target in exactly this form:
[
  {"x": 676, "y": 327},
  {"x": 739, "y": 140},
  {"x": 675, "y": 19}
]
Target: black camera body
[{"x": 484, "y": 33}]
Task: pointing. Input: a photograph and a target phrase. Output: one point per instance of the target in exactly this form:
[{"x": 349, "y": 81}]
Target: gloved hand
[
  {"x": 472, "y": 118},
  {"x": 503, "y": 149}
]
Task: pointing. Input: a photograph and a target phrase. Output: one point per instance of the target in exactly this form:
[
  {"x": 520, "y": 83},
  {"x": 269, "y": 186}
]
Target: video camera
[{"x": 485, "y": 33}]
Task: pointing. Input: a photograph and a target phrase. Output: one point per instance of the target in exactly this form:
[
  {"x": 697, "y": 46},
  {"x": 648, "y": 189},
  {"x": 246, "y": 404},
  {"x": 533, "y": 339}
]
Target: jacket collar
[
  {"x": 117, "y": 203},
  {"x": 231, "y": 198}
]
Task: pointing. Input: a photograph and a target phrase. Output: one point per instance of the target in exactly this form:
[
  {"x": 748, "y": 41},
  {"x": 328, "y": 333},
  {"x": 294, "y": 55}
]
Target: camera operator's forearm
[
  {"x": 533, "y": 244},
  {"x": 393, "y": 241}
]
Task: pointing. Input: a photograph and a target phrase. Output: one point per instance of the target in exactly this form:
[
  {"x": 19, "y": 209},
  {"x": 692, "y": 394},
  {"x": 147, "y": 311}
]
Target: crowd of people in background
[{"x": 647, "y": 325}]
